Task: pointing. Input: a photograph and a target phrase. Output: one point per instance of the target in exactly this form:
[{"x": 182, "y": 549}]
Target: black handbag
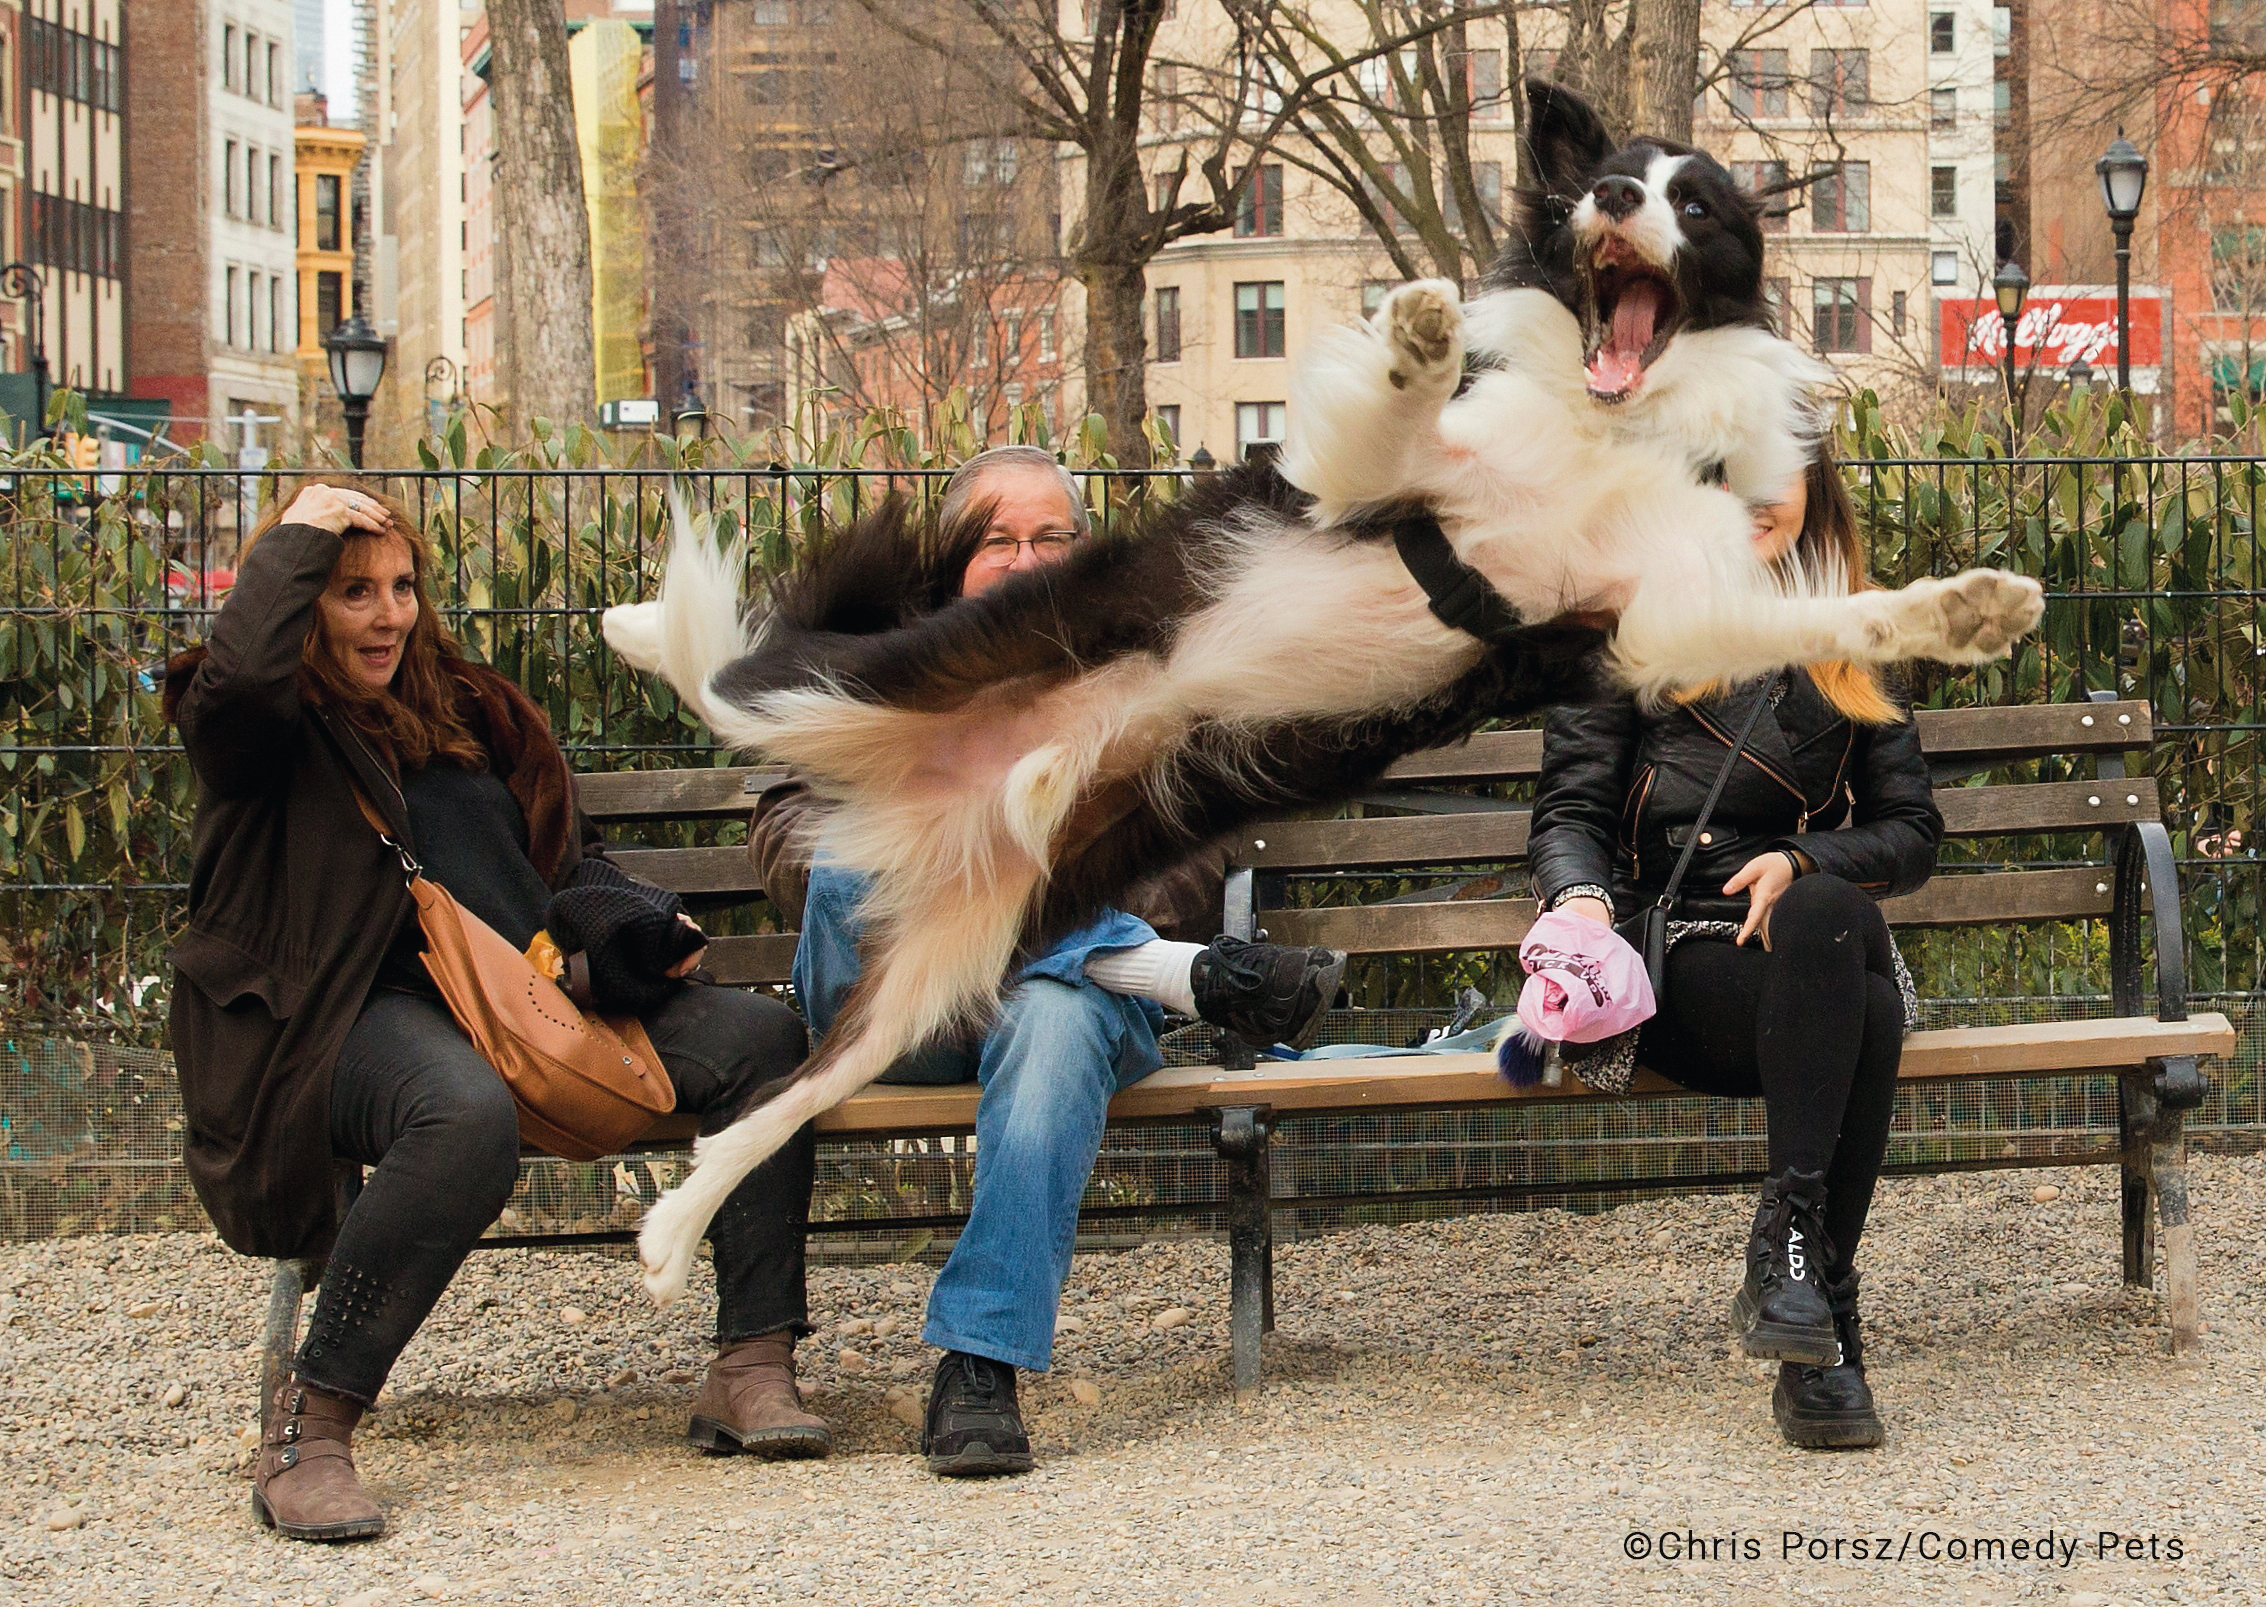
[{"x": 1647, "y": 930}]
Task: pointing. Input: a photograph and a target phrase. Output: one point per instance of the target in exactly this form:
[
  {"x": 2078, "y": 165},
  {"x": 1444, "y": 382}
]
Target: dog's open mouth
[{"x": 1634, "y": 312}]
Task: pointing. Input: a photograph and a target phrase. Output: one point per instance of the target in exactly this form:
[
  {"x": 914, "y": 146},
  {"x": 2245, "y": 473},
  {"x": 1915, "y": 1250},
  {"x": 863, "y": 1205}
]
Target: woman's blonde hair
[{"x": 1829, "y": 545}]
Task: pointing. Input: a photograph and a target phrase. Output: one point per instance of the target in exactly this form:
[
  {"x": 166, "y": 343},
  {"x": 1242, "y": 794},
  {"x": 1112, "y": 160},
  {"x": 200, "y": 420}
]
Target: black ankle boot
[
  {"x": 1821, "y": 1408},
  {"x": 1264, "y": 993},
  {"x": 1780, "y": 1312}
]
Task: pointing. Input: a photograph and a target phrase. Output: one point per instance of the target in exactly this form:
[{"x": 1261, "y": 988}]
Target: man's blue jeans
[{"x": 1059, "y": 1049}]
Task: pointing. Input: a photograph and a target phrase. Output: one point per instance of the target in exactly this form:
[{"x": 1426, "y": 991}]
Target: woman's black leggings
[
  {"x": 1814, "y": 1027},
  {"x": 411, "y": 1098}
]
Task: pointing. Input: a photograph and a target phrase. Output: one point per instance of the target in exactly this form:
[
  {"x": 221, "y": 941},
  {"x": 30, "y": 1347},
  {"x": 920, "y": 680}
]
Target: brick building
[{"x": 215, "y": 319}]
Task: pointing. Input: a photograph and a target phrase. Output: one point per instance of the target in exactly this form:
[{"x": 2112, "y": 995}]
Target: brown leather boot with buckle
[
  {"x": 748, "y": 1403},
  {"x": 304, "y": 1485}
]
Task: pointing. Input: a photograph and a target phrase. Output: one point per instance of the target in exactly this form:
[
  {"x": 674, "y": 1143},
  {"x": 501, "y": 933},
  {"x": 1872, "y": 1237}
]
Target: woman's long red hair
[{"x": 416, "y": 717}]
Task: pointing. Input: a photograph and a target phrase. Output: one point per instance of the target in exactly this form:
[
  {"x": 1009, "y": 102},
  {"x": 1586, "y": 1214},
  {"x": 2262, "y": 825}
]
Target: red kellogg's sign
[{"x": 2060, "y": 325}]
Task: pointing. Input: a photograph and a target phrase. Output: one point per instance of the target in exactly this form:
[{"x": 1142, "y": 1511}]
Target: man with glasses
[{"x": 1078, "y": 1023}]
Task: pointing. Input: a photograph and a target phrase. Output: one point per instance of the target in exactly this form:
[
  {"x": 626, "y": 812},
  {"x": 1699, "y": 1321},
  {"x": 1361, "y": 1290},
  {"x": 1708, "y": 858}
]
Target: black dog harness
[{"x": 1459, "y": 595}]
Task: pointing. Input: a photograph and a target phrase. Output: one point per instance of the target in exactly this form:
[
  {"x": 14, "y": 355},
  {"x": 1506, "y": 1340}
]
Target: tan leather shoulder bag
[{"x": 585, "y": 1085}]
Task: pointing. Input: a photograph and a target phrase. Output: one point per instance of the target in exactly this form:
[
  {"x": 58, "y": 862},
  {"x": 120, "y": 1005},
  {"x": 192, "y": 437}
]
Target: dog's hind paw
[
  {"x": 666, "y": 1250},
  {"x": 1423, "y": 324}
]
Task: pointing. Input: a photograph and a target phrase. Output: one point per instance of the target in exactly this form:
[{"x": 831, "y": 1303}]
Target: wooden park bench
[{"x": 2155, "y": 1055}]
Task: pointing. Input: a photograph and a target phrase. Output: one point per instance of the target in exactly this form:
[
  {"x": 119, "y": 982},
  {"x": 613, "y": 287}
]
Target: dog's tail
[{"x": 699, "y": 623}]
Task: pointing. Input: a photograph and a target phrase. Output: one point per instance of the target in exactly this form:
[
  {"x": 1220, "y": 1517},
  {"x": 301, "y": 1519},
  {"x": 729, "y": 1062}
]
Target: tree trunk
[
  {"x": 543, "y": 291},
  {"x": 1667, "y": 52},
  {"x": 1112, "y": 257}
]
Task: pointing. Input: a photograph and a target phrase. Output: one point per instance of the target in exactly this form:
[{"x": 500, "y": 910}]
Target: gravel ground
[{"x": 1489, "y": 1410}]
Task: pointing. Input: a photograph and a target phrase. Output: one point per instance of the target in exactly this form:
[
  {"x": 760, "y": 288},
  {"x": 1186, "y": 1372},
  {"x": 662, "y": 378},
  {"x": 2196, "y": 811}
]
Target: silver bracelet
[{"x": 1566, "y": 895}]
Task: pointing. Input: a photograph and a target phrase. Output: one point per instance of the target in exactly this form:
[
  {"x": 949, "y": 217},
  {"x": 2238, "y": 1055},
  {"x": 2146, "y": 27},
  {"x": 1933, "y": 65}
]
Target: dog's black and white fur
[{"x": 1005, "y": 765}]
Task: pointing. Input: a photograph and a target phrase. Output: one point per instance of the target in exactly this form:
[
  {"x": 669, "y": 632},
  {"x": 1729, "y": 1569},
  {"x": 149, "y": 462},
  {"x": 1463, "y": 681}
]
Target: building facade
[
  {"x": 77, "y": 185},
  {"x": 327, "y": 158},
  {"x": 215, "y": 321}
]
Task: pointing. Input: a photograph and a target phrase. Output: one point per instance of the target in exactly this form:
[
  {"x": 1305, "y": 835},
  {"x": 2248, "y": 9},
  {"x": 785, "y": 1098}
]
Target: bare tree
[
  {"x": 543, "y": 279},
  {"x": 1092, "y": 91}
]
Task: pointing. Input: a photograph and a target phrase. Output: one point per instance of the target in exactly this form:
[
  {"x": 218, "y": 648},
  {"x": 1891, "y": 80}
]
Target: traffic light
[{"x": 82, "y": 451}]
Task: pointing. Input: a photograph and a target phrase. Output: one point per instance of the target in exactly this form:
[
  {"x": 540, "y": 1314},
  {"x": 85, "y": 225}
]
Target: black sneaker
[
  {"x": 974, "y": 1427},
  {"x": 1780, "y": 1312},
  {"x": 1266, "y": 994}
]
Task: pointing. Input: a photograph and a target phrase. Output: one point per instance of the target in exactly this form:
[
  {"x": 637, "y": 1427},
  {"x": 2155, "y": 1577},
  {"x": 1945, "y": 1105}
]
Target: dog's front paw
[
  {"x": 1971, "y": 618},
  {"x": 1423, "y": 324}
]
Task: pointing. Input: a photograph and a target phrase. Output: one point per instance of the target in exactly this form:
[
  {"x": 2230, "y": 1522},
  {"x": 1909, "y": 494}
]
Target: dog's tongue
[{"x": 1619, "y": 362}]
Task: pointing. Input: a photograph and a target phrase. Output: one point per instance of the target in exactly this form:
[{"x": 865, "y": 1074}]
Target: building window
[
  {"x": 1841, "y": 199},
  {"x": 1841, "y": 83},
  {"x": 1168, "y": 96},
  {"x": 992, "y": 161},
  {"x": 251, "y": 60},
  {"x": 2238, "y": 269},
  {"x": 1840, "y": 314},
  {"x": 2002, "y": 104},
  {"x": 1484, "y": 78},
  {"x": 1943, "y": 109},
  {"x": 275, "y": 191},
  {"x": 1257, "y": 424},
  {"x": 771, "y": 13},
  {"x": 228, "y": 57},
  {"x": 275, "y": 95},
  {"x": 1943, "y": 192},
  {"x": 326, "y": 211},
  {"x": 276, "y": 318},
  {"x": 1943, "y": 36},
  {"x": 1759, "y": 84},
  {"x": 228, "y": 179},
  {"x": 1259, "y": 319},
  {"x": 1896, "y": 305},
  {"x": 1373, "y": 294},
  {"x": 1168, "y": 324},
  {"x": 1766, "y": 182},
  {"x": 1258, "y": 211},
  {"x": 228, "y": 317},
  {"x": 2002, "y": 30},
  {"x": 1943, "y": 268},
  {"x": 251, "y": 184},
  {"x": 1774, "y": 297},
  {"x": 1046, "y": 337},
  {"x": 329, "y": 302},
  {"x": 1169, "y": 417}
]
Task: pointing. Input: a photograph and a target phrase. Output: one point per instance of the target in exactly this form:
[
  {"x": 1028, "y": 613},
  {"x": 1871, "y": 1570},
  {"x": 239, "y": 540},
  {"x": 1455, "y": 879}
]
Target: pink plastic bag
[{"x": 1584, "y": 984}]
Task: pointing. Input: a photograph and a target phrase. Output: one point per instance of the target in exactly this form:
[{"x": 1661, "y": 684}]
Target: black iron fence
[{"x": 2151, "y": 565}]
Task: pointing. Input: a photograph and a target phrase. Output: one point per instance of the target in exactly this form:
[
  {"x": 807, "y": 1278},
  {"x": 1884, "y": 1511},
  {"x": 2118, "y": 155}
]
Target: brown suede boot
[
  {"x": 303, "y": 1485},
  {"x": 748, "y": 1403}
]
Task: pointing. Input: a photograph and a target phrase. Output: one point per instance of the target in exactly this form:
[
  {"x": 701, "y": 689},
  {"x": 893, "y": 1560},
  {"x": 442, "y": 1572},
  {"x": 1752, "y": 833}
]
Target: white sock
[{"x": 1156, "y": 970}]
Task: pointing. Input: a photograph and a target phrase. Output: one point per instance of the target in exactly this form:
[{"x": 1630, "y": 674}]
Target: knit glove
[{"x": 623, "y": 935}]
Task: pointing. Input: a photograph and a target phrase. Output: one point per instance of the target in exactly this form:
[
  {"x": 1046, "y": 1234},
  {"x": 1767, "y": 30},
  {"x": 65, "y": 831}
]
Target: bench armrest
[{"x": 2145, "y": 871}]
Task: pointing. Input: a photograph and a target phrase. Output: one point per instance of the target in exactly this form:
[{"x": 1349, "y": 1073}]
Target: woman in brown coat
[{"x": 309, "y": 1037}]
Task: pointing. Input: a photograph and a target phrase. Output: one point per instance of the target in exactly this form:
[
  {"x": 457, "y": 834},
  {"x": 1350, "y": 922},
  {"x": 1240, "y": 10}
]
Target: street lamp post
[
  {"x": 2124, "y": 179},
  {"x": 22, "y": 280},
  {"x": 2012, "y": 287},
  {"x": 440, "y": 377},
  {"x": 357, "y": 363}
]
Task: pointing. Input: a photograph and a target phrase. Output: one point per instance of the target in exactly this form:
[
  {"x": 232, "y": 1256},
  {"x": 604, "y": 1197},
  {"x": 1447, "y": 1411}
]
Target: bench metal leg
[
  {"x": 1240, "y": 1135},
  {"x": 2180, "y": 1087},
  {"x": 280, "y": 1343},
  {"x": 2136, "y": 1116}
]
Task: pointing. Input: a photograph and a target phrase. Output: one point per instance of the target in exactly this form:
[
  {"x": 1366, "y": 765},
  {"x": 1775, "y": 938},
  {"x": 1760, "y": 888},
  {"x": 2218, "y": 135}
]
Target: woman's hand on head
[
  {"x": 337, "y": 509},
  {"x": 1589, "y": 909},
  {"x": 1763, "y": 879}
]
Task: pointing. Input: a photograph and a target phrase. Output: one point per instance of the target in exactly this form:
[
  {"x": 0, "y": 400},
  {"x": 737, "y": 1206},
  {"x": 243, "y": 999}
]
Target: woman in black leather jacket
[{"x": 1782, "y": 982}]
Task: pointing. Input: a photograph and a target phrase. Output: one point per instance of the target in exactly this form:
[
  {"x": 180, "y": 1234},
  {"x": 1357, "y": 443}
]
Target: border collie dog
[{"x": 1591, "y": 436}]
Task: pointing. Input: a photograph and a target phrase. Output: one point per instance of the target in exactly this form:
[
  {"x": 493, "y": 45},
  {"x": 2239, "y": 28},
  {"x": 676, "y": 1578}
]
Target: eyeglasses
[{"x": 1046, "y": 546}]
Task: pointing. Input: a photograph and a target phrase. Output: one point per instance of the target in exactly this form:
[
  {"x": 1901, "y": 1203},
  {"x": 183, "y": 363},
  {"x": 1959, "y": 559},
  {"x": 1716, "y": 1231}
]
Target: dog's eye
[{"x": 1695, "y": 209}]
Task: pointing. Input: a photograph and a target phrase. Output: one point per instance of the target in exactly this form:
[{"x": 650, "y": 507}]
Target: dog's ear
[{"x": 1566, "y": 137}]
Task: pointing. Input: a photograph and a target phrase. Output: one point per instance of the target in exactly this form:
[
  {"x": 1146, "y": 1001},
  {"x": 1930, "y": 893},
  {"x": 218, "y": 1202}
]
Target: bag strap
[
  {"x": 410, "y": 869},
  {"x": 1715, "y": 793}
]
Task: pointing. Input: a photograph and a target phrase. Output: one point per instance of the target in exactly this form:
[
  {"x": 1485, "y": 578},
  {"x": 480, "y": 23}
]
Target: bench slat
[
  {"x": 752, "y": 961},
  {"x": 2005, "y": 898},
  {"x": 1495, "y": 837},
  {"x": 691, "y": 870},
  {"x": 1427, "y": 1081},
  {"x": 611, "y": 795}
]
